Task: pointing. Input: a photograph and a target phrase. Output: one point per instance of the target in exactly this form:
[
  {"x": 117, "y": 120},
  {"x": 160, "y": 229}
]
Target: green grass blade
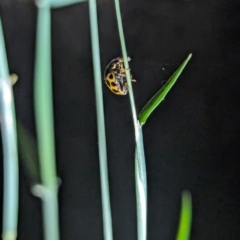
[
  {"x": 126, "y": 65},
  {"x": 185, "y": 221},
  {"x": 44, "y": 122},
  {"x": 141, "y": 188},
  {"x": 102, "y": 148},
  {"x": 161, "y": 94},
  {"x": 140, "y": 163},
  {"x": 10, "y": 153}
]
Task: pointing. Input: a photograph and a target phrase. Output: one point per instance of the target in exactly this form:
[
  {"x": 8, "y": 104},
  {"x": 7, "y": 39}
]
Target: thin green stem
[
  {"x": 10, "y": 154},
  {"x": 106, "y": 208},
  {"x": 140, "y": 163},
  {"x": 125, "y": 58},
  {"x": 44, "y": 121},
  {"x": 141, "y": 189},
  {"x": 185, "y": 220}
]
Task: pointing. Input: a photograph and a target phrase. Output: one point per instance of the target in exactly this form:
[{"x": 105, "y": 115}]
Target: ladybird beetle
[{"x": 115, "y": 76}]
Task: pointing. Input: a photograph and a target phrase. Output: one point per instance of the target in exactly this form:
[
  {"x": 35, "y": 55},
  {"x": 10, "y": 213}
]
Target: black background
[{"x": 191, "y": 140}]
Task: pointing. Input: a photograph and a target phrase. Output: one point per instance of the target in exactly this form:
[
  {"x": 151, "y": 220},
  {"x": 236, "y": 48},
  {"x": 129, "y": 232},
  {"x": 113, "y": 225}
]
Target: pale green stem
[
  {"x": 140, "y": 163},
  {"x": 141, "y": 189},
  {"x": 10, "y": 154},
  {"x": 106, "y": 208},
  {"x": 44, "y": 122}
]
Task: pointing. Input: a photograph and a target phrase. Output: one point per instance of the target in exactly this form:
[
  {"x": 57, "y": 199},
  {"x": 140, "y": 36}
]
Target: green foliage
[
  {"x": 9, "y": 142},
  {"x": 162, "y": 93},
  {"x": 185, "y": 221}
]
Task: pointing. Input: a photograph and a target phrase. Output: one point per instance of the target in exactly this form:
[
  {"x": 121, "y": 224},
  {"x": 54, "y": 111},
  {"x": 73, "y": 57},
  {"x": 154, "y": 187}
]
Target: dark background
[{"x": 191, "y": 140}]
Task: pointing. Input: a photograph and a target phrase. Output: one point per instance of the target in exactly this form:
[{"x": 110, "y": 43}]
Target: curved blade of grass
[
  {"x": 185, "y": 221},
  {"x": 102, "y": 148},
  {"x": 140, "y": 163},
  {"x": 10, "y": 154},
  {"x": 44, "y": 121},
  {"x": 161, "y": 94},
  {"x": 64, "y": 3}
]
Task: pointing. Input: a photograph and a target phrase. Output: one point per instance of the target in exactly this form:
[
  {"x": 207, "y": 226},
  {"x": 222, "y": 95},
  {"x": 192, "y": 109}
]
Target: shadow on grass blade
[
  {"x": 185, "y": 221},
  {"x": 161, "y": 94}
]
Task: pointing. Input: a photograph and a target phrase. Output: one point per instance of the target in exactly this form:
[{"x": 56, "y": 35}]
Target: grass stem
[
  {"x": 102, "y": 148},
  {"x": 44, "y": 122},
  {"x": 140, "y": 165},
  {"x": 10, "y": 153}
]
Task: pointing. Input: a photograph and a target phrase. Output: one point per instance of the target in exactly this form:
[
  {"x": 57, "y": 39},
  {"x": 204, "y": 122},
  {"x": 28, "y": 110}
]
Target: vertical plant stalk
[
  {"x": 44, "y": 122},
  {"x": 10, "y": 154},
  {"x": 140, "y": 163},
  {"x": 106, "y": 208},
  {"x": 141, "y": 188},
  {"x": 185, "y": 220}
]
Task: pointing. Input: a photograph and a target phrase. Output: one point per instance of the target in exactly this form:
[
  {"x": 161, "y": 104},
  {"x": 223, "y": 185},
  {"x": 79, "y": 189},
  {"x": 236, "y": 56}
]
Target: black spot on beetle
[
  {"x": 113, "y": 84},
  {"x": 110, "y": 76},
  {"x": 115, "y": 91},
  {"x": 108, "y": 83}
]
